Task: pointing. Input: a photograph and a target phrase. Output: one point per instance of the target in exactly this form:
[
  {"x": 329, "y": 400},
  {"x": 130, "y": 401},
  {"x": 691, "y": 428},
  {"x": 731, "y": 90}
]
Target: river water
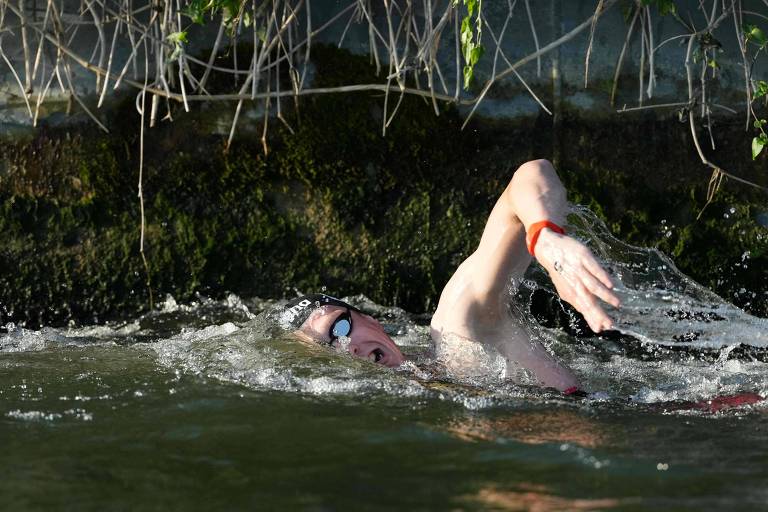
[{"x": 207, "y": 406}]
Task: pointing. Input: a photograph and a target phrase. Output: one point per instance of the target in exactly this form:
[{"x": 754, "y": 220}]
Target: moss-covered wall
[{"x": 334, "y": 205}]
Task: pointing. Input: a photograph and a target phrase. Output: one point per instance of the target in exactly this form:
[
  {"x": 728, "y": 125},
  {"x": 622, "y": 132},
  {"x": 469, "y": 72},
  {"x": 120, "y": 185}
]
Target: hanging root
[{"x": 405, "y": 38}]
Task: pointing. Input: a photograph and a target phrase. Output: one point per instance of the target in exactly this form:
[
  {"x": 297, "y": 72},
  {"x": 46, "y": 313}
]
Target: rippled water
[{"x": 206, "y": 405}]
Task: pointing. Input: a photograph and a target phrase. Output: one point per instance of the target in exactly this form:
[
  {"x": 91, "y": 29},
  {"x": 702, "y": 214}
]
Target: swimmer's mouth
[
  {"x": 391, "y": 357},
  {"x": 376, "y": 355}
]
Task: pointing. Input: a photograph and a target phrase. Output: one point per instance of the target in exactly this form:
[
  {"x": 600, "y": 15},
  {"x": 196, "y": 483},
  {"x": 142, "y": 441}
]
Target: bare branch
[
  {"x": 619, "y": 63},
  {"x": 598, "y": 9}
]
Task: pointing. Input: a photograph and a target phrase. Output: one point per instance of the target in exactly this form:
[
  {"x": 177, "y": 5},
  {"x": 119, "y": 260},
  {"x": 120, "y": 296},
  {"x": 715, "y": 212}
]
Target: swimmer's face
[{"x": 367, "y": 338}]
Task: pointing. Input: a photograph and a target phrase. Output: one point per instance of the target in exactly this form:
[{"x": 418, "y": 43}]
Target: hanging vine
[
  {"x": 471, "y": 39},
  {"x": 756, "y": 36}
]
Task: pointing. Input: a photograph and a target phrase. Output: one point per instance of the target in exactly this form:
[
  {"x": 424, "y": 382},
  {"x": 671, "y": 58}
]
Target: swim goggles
[
  {"x": 342, "y": 326},
  {"x": 295, "y": 312}
]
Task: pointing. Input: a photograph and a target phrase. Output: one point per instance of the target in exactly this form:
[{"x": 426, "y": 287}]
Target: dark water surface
[
  {"x": 203, "y": 406},
  {"x": 107, "y": 428}
]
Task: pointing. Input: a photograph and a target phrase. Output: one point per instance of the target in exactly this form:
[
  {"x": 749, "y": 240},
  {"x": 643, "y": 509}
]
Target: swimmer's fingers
[
  {"x": 599, "y": 289},
  {"x": 588, "y": 306},
  {"x": 576, "y": 294},
  {"x": 597, "y": 270},
  {"x": 599, "y": 324}
]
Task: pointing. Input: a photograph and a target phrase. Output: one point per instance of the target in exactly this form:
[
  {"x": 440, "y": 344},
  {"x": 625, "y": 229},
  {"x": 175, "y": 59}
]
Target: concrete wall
[{"x": 506, "y": 99}]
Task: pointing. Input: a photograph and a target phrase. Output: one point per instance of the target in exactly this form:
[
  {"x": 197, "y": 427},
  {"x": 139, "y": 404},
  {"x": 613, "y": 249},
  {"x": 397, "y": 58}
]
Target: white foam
[{"x": 79, "y": 414}]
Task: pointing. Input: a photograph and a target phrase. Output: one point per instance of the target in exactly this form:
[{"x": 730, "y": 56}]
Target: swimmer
[{"x": 526, "y": 222}]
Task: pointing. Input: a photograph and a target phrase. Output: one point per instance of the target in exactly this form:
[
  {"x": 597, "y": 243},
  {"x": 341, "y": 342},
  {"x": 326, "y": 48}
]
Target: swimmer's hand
[{"x": 578, "y": 277}]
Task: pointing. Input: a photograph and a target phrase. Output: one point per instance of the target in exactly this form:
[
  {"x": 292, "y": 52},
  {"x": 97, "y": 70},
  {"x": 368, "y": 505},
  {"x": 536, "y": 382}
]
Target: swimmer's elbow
[
  {"x": 536, "y": 179},
  {"x": 540, "y": 168}
]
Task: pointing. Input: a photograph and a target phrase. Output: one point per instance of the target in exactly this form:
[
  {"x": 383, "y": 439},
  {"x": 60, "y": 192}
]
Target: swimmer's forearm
[{"x": 535, "y": 193}]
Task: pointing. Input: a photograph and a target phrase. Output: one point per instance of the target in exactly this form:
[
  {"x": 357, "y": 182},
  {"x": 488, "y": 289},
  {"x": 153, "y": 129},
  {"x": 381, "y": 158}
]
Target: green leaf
[
  {"x": 468, "y": 49},
  {"x": 466, "y": 26},
  {"x": 196, "y": 11},
  {"x": 466, "y": 40},
  {"x": 468, "y": 75},
  {"x": 475, "y": 55},
  {"x": 195, "y": 16},
  {"x": 471, "y": 6},
  {"x": 664, "y": 6},
  {"x": 754, "y": 33},
  {"x": 178, "y": 37},
  {"x": 759, "y": 123},
  {"x": 713, "y": 64},
  {"x": 758, "y": 143},
  {"x": 761, "y": 89},
  {"x": 261, "y": 33}
]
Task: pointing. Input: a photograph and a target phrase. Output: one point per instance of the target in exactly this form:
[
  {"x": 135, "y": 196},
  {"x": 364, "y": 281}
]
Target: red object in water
[
  {"x": 721, "y": 403},
  {"x": 713, "y": 405}
]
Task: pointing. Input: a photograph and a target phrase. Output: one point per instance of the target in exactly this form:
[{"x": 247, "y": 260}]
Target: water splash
[
  {"x": 675, "y": 340},
  {"x": 660, "y": 304}
]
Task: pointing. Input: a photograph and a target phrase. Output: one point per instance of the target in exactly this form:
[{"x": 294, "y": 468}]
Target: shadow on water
[{"x": 204, "y": 405}]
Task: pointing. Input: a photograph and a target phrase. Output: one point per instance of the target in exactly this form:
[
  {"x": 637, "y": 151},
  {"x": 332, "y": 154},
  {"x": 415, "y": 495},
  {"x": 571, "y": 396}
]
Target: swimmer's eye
[{"x": 342, "y": 326}]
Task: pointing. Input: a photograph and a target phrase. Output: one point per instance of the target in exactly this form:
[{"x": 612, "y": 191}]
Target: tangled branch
[{"x": 416, "y": 45}]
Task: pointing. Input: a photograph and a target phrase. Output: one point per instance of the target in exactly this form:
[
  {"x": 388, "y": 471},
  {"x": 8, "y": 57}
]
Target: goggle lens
[{"x": 341, "y": 327}]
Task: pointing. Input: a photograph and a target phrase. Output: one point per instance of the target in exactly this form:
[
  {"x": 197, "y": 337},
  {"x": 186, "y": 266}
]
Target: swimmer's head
[{"x": 335, "y": 323}]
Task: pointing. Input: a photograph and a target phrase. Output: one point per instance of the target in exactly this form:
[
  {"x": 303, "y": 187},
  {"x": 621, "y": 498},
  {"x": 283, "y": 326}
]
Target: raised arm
[{"x": 473, "y": 303}]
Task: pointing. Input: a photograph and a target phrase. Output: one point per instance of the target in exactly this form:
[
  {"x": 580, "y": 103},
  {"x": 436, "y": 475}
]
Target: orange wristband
[{"x": 535, "y": 230}]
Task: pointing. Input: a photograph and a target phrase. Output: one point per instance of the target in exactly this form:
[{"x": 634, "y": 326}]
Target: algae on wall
[{"x": 334, "y": 205}]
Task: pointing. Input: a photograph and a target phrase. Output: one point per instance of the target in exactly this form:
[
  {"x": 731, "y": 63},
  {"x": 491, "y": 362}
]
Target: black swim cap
[{"x": 296, "y": 311}]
